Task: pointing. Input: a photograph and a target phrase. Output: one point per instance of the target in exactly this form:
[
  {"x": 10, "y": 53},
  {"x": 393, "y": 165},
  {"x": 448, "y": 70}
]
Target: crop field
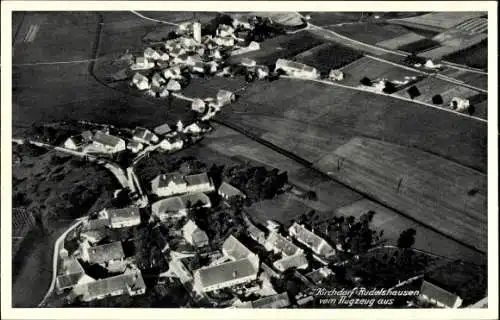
[
  {"x": 435, "y": 191},
  {"x": 400, "y": 41},
  {"x": 431, "y": 86},
  {"x": 475, "y": 56},
  {"x": 374, "y": 69},
  {"x": 208, "y": 87},
  {"x": 439, "y": 20},
  {"x": 283, "y": 46},
  {"x": 453, "y": 41},
  {"x": 330, "y": 18},
  {"x": 472, "y": 78},
  {"x": 328, "y": 56},
  {"x": 300, "y": 105},
  {"x": 420, "y": 45},
  {"x": 370, "y": 33}
]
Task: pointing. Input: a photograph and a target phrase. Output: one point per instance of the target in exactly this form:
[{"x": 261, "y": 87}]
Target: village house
[
  {"x": 235, "y": 250},
  {"x": 199, "y": 67},
  {"x": 224, "y": 41},
  {"x": 212, "y": 66},
  {"x": 187, "y": 59},
  {"x": 225, "y": 97},
  {"x": 107, "y": 255},
  {"x": 199, "y": 183},
  {"x": 141, "y": 82},
  {"x": 123, "y": 217},
  {"x": 215, "y": 54},
  {"x": 247, "y": 62},
  {"x": 141, "y": 63},
  {"x": 95, "y": 230},
  {"x": 192, "y": 128},
  {"x": 459, "y": 104},
  {"x": 254, "y": 232},
  {"x": 173, "y": 72},
  {"x": 131, "y": 283},
  {"x": 171, "y": 143},
  {"x": 134, "y": 146},
  {"x": 77, "y": 141},
  {"x": 169, "y": 208},
  {"x": 145, "y": 136},
  {"x": 279, "y": 244},
  {"x": 162, "y": 129},
  {"x": 277, "y": 301},
  {"x": 227, "y": 191},
  {"x": 168, "y": 184},
  {"x": 107, "y": 143},
  {"x": 175, "y": 52},
  {"x": 227, "y": 274},
  {"x": 241, "y": 24},
  {"x": 262, "y": 72},
  {"x": 157, "y": 80},
  {"x": 72, "y": 274},
  {"x": 296, "y": 69},
  {"x": 298, "y": 261},
  {"x": 429, "y": 64},
  {"x": 252, "y": 46},
  {"x": 173, "y": 85},
  {"x": 194, "y": 235},
  {"x": 317, "y": 244},
  {"x": 198, "y": 105},
  {"x": 224, "y": 31},
  {"x": 272, "y": 226},
  {"x": 317, "y": 276},
  {"x": 336, "y": 75},
  {"x": 151, "y": 54},
  {"x": 438, "y": 296}
]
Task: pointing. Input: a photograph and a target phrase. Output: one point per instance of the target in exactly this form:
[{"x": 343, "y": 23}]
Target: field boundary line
[
  {"x": 388, "y": 95},
  {"x": 155, "y": 20},
  {"x": 51, "y": 63}
]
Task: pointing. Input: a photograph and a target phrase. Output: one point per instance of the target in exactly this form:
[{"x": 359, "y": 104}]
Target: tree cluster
[
  {"x": 263, "y": 28},
  {"x": 148, "y": 254},
  {"x": 211, "y": 27}
]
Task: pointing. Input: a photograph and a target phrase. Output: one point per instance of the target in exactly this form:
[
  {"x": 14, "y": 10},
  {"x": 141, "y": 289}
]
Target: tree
[
  {"x": 413, "y": 92},
  {"x": 366, "y": 81},
  {"x": 389, "y": 87},
  {"x": 437, "y": 99},
  {"x": 407, "y": 238}
]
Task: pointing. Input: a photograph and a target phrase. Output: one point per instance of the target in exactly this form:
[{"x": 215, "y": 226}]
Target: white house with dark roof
[
  {"x": 317, "y": 244},
  {"x": 198, "y": 105},
  {"x": 106, "y": 143},
  {"x": 124, "y": 217},
  {"x": 279, "y": 244},
  {"x": 227, "y": 191},
  {"x": 224, "y": 41},
  {"x": 194, "y": 235},
  {"x": 173, "y": 72},
  {"x": 200, "y": 182},
  {"x": 143, "y": 135},
  {"x": 297, "y": 69},
  {"x": 439, "y": 296},
  {"x": 227, "y": 274}
]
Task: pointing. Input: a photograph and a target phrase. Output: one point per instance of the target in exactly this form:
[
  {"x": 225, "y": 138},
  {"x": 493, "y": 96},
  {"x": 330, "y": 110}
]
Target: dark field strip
[
  {"x": 475, "y": 56},
  {"x": 328, "y": 56},
  {"x": 420, "y": 45}
]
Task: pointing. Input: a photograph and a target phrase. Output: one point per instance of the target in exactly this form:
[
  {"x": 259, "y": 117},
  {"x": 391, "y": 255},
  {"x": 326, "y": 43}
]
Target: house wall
[{"x": 231, "y": 283}]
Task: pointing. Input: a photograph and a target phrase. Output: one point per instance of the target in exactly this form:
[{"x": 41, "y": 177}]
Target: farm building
[
  {"x": 298, "y": 261},
  {"x": 247, "y": 62},
  {"x": 252, "y": 46},
  {"x": 262, "y": 72},
  {"x": 192, "y": 128},
  {"x": 317, "y": 244},
  {"x": 429, "y": 64},
  {"x": 145, "y": 136},
  {"x": 73, "y": 273},
  {"x": 255, "y": 232},
  {"x": 172, "y": 73},
  {"x": 168, "y": 184},
  {"x": 187, "y": 59},
  {"x": 227, "y": 191},
  {"x": 77, "y": 141},
  {"x": 438, "y": 296},
  {"x": 124, "y": 217},
  {"x": 227, "y": 274},
  {"x": 277, "y": 301},
  {"x": 176, "y": 207},
  {"x": 199, "y": 67},
  {"x": 279, "y": 244},
  {"x": 130, "y": 282},
  {"x": 141, "y": 63},
  {"x": 224, "y": 41},
  {"x": 296, "y": 69},
  {"x": 104, "y": 254},
  {"x": 170, "y": 144},
  {"x": 459, "y": 104},
  {"x": 225, "y": 97},
  {"x": 235, "y": 250},
  {"x": 336, "y": 75},
  {"x": 151, "y": 54},
  {"x": 173, "y": 85},
  {"x": 199, "y": 183},
  {"x": 157, "y": 80},
  {"x": 175, "y": 52},
  {"x": 141, "y": 82},
  {"x": 225, "y": 31},
  {"x": 107, "y": 143},
  {"x": 194, "y": 235},
  {"x": 318, "y": 275},
  {"x": 162, "y": 129},
  {"x": 198, "y": 105},
  {"x": 135, "y": 146}
]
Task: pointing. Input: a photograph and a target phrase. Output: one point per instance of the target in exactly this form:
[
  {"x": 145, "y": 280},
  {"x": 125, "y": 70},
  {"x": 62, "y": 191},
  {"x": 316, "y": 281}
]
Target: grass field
[
  {"x": 283, "y": 46},
  {"x": 401, "y": 40},
  {"x": 328, "y": 56},
  {"x": 474, "y": 79},
  {"x": 475, "y": 56},
  {"x": 329, "y": 18},
  {"x": 418, "y": 46},
  {"x": 439, "y": 20},
  {"x": 437, "y": 192},
  {"x": 374, "y": 69},
  {"x": 370, "y": 33},
  {"x": 302, "y": 106},
  {"x": 426, "y": 239}
]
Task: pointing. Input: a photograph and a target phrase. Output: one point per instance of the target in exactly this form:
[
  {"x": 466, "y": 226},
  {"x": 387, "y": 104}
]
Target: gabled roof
[
  {"x": 123, "y": 214},
  {"x": 229, "y": 191},
  {"x": 437, "y": 293},
  {"x": 165, "y": 179},
  {"x": 194, "y": 198},
  {"x": 114, "y": 284},
  {"x": 315, "y": 242},
  {"x": 190, "y": 227},
  {"x": 106, "y": 139},
  {"x": 281, "y": 63},
  {"x": 143, "y": 133},
  {"x": 106, "y": 252},
  {"x": 168, "y": 205},
  {"x": 282, "y": 244},
  {"x": 276, "y": 301},
  {"x": 225, "y": 272},
  {"x": 197, "y": 179},
  {"x": 162, "y": 129},
  {"x": 253, "y": 230},
  {"x": 68, "y": 281},
  {"x": 234, "y": 249},
  {"x": 95, "y": 224},
  {"x": 294, "y": 261}
]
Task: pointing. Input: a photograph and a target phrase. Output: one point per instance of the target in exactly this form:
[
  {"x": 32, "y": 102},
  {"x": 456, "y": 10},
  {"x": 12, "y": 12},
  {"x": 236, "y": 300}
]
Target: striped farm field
[
  {"x": 328, "y": 56},
  {"x": 439, "y": 193},
  {"x": 400, "y": 41},
  {"x": 479, "y": 80},
  {"x": 374, "y": 69},
  {"x": 439, "y": 21}
]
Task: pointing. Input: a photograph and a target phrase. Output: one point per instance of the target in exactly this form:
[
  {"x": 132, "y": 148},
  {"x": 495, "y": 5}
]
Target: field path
[{"x": 155, "y": 20}]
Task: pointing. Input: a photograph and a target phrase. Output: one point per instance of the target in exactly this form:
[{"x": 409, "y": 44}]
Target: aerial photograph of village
[{"x": 177, "y": 159}]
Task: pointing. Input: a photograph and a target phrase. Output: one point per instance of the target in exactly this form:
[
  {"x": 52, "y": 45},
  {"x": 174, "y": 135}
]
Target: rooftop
[
  {"x": 297, "y": 260},
  {"x": 113, "y": 284},
  {"x": 315, "y": 242},
  {"x": 197, "y": 179},
  {"x": 162, "y": 129},
  {"x": 234, "y": 249},
  {"x": 106, "y": 139},
  {"x": 229, "y": 191},
  {"x": 106, "y": 252},
  {"x": 282, "y": 244},
  {"x": 226, "y": 272},
  {"x": 439, "y": 294},
  {"x": 123, "y": 214},
  {"x": 276, "y": 301}
]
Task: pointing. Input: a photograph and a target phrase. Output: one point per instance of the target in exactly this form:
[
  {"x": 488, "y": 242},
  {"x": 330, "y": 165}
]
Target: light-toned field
[
  {"x": 426, "y": 239},
  {"x": 370, "y": 33},
  {"x": 399, "y": 41},
  {"x": 440, "y": 20},
  {"x": 432, "y": 190},
  {"x": 374, "y": 69},
  {"x": 453, "y": 41}
]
